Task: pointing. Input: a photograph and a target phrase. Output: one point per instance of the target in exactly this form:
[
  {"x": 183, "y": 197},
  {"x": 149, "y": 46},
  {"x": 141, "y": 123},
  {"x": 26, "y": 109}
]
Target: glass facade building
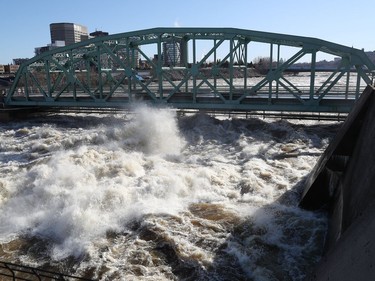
[{"x": 69, "y": 32}]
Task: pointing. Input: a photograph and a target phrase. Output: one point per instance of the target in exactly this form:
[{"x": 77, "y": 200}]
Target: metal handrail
[{"x": 27, "y": 273}]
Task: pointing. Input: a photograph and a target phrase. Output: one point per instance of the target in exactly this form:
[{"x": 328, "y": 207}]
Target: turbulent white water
[{"x": 150, "y": 196}]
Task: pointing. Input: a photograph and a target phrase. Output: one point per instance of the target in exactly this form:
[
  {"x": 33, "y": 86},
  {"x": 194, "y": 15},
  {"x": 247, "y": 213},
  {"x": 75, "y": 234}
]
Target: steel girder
[{"x": 104, "y": 72}]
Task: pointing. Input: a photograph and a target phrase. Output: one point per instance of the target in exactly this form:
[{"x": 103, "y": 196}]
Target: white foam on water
[
  {"x": 73, "y": 186},
  {"x": 80, "y": 193},
  {"x": 156, "y": 130}
]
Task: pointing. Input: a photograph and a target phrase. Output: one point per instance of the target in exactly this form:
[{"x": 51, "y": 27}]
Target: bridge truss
[{"x": 109, "y": 72}]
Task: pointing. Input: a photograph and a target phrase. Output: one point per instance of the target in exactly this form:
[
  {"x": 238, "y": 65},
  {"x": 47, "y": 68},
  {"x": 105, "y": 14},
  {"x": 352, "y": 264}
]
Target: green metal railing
[{"x": 104, "y": 72}]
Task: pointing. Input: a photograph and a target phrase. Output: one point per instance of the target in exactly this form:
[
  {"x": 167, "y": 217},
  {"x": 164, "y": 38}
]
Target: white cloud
[{"x": 177, "y": 23}]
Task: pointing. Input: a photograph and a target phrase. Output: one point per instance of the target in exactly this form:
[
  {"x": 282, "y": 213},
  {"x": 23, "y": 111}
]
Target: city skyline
[{"x": 342, "y": 22}]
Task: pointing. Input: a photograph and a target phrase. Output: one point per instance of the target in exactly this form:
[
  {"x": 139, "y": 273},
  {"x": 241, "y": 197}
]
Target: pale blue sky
[{"x": 25, "y": 23}]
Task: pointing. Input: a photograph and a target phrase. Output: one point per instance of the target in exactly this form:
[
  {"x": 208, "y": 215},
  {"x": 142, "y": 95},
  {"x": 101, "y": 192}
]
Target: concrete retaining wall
[{"x": 344, "y": 182}]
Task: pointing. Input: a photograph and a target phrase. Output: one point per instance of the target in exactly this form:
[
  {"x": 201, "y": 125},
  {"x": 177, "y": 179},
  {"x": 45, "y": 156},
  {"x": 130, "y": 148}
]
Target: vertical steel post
[
  {"x": 132, "y": 66},
  {"x": 312, "y": 74},
  {"x": 347, "y": 84},
  {"x": 100, "y": 78},
  {"x": 215, "y": 65},
  {"x": 159, "y": 67},
  {"x": 26, "y": 87},
  {"x": 231, "y": 69},
  {"x": 245, "y": 64},
  {"x": 48, "y": 77},
  {"x": 358, "y": 83},
  {"x": 277, "y": 66},
  {"x": 194, "y": 66},
  {"x": 71, "y": 72},
  {"x": 185, "y": 60},
  {"x": 270, "y": 70},
  {"x": 128, "y": 65},
  {"x": 88, "y": 74}
]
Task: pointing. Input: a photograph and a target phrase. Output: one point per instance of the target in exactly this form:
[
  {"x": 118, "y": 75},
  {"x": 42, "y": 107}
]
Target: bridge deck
[{"x": 188, "y": 100}]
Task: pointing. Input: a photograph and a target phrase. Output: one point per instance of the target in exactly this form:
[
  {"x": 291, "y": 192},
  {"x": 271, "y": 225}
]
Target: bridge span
[{"x": 104, "y": 72}]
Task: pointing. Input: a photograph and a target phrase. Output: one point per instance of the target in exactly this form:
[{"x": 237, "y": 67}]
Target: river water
[{"x": 154, "y": 195}]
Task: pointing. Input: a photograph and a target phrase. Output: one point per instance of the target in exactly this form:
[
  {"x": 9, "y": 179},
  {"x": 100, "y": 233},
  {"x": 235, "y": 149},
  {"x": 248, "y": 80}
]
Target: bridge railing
[{"x": 103, "y": 72}]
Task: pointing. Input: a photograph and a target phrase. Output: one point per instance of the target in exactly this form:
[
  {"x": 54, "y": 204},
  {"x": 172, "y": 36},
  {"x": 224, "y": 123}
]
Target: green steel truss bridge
[{"x": 194, "y": 68}]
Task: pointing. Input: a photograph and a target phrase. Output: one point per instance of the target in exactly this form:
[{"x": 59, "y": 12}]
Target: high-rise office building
[
  {"x": 172, "y": 53},
  {"x": 69, "y": 32}
]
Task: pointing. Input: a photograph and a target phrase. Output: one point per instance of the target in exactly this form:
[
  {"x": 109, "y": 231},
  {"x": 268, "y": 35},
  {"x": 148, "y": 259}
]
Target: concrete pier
[{"x": 343, "y": 181}]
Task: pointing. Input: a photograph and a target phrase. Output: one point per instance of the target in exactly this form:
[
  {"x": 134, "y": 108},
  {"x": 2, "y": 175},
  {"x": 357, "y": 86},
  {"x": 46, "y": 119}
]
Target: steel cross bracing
[{"x": 106, "y": 72}]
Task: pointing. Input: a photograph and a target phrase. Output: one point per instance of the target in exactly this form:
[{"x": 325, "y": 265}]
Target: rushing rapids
[{"x": 153, "y": 196}]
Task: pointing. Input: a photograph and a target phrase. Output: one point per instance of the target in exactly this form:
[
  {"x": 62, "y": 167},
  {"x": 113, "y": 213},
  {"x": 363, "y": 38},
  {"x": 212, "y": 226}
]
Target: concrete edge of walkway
[{"x": 343, "y": 182}]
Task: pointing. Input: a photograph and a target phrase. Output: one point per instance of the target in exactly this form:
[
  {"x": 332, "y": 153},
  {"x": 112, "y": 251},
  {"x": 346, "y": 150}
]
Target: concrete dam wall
[{"x": 343, "y": 181}]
